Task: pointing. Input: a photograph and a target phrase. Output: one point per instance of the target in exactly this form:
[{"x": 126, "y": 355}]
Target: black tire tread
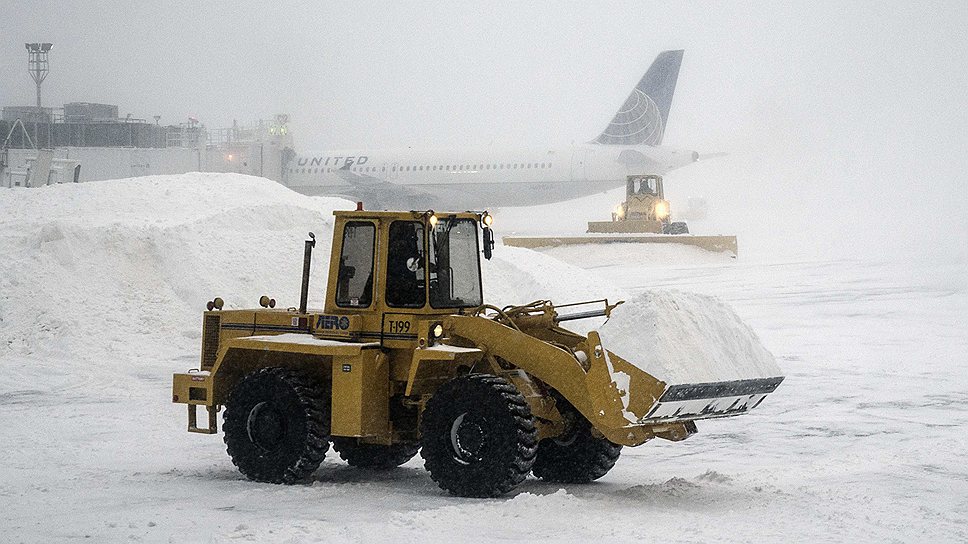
[
  {"x": 515, "y": 458},
  {"x": 314, "y": 406},
  {"x": 583, "y": 460}
]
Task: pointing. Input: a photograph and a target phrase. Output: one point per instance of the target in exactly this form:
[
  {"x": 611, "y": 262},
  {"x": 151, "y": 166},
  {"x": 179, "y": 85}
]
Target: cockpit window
[
  {"x": 455, "y": 270},
  {"x": 406, "y": 285}
]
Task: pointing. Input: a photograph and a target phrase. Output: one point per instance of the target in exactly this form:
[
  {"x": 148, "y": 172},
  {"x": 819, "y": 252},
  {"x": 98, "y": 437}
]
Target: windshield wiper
[{"x": 451, "y": 221}]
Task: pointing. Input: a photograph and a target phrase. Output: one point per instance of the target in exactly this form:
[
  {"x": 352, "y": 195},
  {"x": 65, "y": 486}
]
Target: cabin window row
[
  {"x": 465, "y": 167},
  {"x": 428, "y": 168}
]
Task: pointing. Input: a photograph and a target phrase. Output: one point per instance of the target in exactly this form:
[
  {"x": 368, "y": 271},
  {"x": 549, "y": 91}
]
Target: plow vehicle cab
[{"x": 406, "y": 356}]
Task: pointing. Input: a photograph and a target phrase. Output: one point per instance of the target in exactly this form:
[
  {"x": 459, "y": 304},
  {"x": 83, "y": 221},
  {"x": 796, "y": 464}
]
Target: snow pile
[
  {"x": 114, "y": 275},
  {"x": 518, "y": 276},
  {"x": 685, "y": 338}
]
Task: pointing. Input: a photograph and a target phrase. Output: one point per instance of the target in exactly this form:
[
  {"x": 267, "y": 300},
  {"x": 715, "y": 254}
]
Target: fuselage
[{"x": 476, "y": 179}]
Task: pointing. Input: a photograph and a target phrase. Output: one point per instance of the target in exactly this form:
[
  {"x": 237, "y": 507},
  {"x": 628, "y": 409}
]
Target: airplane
[{"x": 481, "y": 178}]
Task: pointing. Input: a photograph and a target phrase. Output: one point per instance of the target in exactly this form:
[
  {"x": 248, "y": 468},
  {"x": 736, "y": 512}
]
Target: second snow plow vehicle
[
  {"x": 643, "y": 218},
  {"x": 405, "y": 356},
  {"x": 645, "y": 210}
]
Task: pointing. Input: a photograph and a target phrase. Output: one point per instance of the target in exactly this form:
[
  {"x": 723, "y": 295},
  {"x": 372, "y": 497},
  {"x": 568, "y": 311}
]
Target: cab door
[{"x": 405, "y": 283}]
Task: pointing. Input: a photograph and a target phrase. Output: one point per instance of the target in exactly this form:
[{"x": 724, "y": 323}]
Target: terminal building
[
  {"x": 85, "y": 141},
  {"x": 42, "y": 146}
]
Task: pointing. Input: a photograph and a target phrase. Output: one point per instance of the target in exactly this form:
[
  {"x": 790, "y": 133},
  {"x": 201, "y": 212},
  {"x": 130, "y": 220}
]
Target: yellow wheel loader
[
  {"x": 406, "y": 356},
  {"x": 643, "y": 218}
]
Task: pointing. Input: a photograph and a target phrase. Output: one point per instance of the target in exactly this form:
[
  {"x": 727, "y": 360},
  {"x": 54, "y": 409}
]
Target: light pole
[{"x": 38, "y": 67}]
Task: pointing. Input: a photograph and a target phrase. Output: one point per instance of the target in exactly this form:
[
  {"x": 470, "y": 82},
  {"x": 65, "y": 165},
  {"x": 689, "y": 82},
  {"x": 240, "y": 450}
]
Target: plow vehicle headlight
[
  {"x": 487, "y": 219},
  {"x": 620, "y": 211},
  {"x": 661, "y": 208},
  {"x": 437, "y": 331}
]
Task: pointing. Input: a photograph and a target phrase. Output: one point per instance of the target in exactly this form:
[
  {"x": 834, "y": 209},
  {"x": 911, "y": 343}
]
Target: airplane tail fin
[{"x": 642, "y": 118}]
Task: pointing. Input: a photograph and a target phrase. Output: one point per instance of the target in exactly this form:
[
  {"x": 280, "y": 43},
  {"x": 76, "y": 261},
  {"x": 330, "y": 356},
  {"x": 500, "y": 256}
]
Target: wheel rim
[
  {"x": 265, "y": 426},
  {"x": 571, "y": 431},
  {"x": 467, "y": 439},
  {"x": 567, "y": 439}
]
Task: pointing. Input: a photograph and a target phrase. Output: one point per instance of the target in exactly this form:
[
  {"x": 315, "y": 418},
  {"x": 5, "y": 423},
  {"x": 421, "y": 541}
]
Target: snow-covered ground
[{"x": 101, "y": 291}]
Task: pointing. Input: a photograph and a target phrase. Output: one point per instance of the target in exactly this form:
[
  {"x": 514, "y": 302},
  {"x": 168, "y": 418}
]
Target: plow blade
[
  {"x": 652, "y": 395},
  {"x": 629, "y": 226},
  {"x": 710, "y": 400},
  {"x": 716, "y": 244}
]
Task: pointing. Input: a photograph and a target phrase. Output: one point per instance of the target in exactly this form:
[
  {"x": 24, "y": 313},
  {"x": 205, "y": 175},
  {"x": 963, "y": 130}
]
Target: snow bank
[
  {"x": 685, "y": 338},
  {"x": 120, "y": 270},
  {"x": 114, "y": 276},
  {"x": 518, "y": 276},
  {"x": 116, "y": 273}
]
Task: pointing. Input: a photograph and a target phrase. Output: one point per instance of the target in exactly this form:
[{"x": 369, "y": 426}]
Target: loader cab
[
  {"x": 644, "y": 186},
  {"x": 415, "y": 263}
]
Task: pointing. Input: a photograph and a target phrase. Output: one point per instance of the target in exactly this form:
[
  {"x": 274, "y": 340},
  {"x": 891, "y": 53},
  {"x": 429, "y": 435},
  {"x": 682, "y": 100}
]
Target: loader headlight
[
  {"x": 437, "y": 331},
  {"x": 432, "y": 220},
  {"x": 487, "y": 219},
  {"x": 620, "y": 211},
  {"x": 662, "y": 209}
]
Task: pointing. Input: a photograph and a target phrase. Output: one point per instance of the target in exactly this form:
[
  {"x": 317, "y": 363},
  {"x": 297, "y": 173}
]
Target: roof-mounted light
[{"x": 487, "y": 219}]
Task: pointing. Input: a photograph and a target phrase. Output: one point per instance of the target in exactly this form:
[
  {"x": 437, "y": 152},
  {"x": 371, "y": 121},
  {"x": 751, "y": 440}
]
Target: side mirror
[{"x": 488, "y": 243}]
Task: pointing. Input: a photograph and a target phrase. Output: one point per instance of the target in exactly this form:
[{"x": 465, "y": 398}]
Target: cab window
[
  {"x": 354, "y": 284},
  {"x": 455, "y": 271},
  {"x": 405, "y": 265}
]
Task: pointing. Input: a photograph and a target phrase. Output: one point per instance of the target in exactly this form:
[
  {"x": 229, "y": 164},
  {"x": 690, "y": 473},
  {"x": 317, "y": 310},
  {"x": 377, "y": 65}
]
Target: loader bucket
[
  {"x": 716, "y": 244},
  {"x": 675, "y": 357},
  {"x": 652, "y": 400}
]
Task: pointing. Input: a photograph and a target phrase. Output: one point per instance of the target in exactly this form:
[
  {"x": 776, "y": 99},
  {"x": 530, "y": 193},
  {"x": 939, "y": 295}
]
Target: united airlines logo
[
  {"x": 638, "y": 122},
  {"x": 335, "y": 162}
]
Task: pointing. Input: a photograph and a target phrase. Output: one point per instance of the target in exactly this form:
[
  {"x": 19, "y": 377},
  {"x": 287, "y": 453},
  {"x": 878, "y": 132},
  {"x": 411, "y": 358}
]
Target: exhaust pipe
[{"x": 307, "y": 260}]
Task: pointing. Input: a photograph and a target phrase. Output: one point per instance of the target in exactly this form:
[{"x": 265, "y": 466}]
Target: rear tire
[
  {"x": 578, "y": 457},
  {"x": 276, "y": 426},
  {"x": 373, "y": 456},
  {"x": 478, "y": 436}
]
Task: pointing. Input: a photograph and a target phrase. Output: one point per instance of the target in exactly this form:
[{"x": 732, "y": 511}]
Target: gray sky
[{"x": 823, "y": 107}]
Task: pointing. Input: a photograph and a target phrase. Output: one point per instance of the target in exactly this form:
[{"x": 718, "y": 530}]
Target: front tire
[
  {"x": 276, "y": 426},
  {"x": 478, "y": 436},
  {"x": 373, "y": 456},
  {"x": 577, "y": 457}
]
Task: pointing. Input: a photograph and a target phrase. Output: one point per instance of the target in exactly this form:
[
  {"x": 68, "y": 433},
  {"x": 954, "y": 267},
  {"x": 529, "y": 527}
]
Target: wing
[{"x": 377, "y": 194}]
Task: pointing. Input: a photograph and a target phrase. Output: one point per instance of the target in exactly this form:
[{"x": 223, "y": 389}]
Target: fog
[{"x": 845, "y": 125}]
